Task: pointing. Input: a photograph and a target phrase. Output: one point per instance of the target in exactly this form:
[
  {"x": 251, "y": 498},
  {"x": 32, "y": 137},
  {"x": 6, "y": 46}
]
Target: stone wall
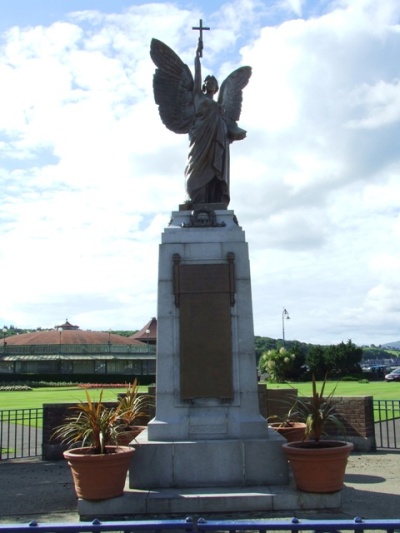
[
  {"x": 357, "y": 416},
  {"x": 355, "y": 413}
]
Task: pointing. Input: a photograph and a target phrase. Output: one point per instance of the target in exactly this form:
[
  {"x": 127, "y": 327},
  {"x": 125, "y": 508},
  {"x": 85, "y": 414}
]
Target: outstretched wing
[
  {"x": 230, "y": 95},
  {"x": 173, "y": 88}
]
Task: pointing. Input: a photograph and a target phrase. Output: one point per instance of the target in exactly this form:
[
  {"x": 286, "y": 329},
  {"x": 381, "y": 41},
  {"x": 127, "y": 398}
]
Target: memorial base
[
  {"x": 208, "y": 463},
  {"x": 224, "y": 502}
]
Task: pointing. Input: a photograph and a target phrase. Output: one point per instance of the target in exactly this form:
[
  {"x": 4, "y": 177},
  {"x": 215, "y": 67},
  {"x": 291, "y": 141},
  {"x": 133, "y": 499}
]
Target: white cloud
[
  {"x": 90, "y": 175},
  {"x": 381, "y": 105}
]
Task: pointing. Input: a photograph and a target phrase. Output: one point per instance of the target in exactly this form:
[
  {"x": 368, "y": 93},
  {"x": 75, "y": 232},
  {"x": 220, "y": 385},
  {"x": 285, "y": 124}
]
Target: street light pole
[{"x": 285, "y": 314}]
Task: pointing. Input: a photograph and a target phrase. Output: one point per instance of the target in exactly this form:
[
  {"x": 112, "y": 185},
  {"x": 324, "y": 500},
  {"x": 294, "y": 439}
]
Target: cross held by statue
[{"x": 200, "y": 28}]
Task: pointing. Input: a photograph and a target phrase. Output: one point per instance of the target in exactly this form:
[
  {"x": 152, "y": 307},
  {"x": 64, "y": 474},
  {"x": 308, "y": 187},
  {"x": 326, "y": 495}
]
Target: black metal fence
[
  {"x": 21, "y": 429},
  {"x": 387, "y": 423},
  {"x": 21, "y": 433}
]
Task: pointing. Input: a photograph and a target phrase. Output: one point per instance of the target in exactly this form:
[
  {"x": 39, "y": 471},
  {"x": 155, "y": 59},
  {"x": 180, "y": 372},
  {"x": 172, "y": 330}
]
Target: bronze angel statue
[{"x": 187, "y": 105}]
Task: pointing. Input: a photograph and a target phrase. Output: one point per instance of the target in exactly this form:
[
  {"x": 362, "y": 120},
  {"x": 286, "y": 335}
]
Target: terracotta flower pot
[
  {"x": 318, "y": 467},
  {"x": 125, "y": 437},
  {"x": 99, "y": 477},
  {"x": 294, "y": 432}
]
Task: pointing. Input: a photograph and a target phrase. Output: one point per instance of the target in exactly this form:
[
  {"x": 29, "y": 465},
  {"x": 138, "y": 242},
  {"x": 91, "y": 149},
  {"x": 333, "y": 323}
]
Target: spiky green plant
[
  {"x": 317, "y": 411},
  {"x": 91, "y": 423},
  {"x": 289, "y": 419},
  {"x": 133, "y": 406}
]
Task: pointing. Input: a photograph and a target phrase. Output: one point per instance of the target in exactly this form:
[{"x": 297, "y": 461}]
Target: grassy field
[
  {"x": 380, "y": 390},
  {"x": 37, "y": 397}
]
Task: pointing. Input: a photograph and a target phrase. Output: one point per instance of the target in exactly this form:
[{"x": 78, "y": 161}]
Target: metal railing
[
  {"x": 202, "y": 525},
  {"x": 21, "y": 429},
  {"x": 56, "y": 349},
  {"x": 387, "y": 423},
  {"x": 21, "y": 433}
]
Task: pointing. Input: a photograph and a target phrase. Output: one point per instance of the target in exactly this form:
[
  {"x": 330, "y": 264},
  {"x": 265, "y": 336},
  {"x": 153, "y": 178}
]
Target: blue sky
[{"x": 89, "y": 175}]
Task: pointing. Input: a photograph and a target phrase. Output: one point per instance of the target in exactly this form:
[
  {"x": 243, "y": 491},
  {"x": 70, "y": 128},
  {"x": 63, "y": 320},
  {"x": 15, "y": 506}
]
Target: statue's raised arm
[{"x": 187, "y": 105}]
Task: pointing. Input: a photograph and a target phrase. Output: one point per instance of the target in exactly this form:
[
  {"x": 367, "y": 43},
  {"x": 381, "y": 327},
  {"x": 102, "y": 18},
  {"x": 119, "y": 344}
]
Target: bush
[
  {"x": 102, "y": 385},
  {"x": 37, "y": 384},
  {"x": 13, "y": 388},
  {"x": 277, "y": 364}
]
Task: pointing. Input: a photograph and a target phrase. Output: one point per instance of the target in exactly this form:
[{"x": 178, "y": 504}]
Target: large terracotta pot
[
  {"x": 125, "y": 437},
  {"x": 99, "y": 477},
  {"x": 294, "y": 432},
  {"x": 318, "y": 467}
]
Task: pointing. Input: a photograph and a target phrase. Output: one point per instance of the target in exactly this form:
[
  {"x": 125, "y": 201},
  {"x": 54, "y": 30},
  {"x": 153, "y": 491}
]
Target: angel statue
[{"x": 187, "y": 105}]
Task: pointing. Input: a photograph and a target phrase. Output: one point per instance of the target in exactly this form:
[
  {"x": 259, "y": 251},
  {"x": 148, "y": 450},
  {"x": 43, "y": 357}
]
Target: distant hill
[{"x": 395, "y": 344}]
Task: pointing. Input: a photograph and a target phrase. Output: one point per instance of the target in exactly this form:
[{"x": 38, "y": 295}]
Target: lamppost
[{"x": 285, "y": 314}]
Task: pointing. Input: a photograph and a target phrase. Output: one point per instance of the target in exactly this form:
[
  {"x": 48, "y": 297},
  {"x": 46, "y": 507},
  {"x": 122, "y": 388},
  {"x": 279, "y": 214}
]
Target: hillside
[{"x": 395, "y": 344}]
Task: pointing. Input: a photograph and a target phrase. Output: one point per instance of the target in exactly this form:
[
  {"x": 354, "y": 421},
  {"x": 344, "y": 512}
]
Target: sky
[{"x": 89, "y": 176}]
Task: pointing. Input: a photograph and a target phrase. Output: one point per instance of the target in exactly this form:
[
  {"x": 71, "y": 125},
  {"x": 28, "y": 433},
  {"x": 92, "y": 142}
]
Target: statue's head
[{"x": 210, "y": 84}]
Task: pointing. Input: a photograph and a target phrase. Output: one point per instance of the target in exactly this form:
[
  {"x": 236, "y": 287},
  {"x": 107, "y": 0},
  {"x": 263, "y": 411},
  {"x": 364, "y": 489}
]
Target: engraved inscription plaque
[{"x": 204, "y": 295}]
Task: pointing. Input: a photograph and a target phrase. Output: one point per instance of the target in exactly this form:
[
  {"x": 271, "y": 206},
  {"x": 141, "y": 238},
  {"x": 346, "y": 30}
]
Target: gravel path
[{"x": 43, "y": 490}]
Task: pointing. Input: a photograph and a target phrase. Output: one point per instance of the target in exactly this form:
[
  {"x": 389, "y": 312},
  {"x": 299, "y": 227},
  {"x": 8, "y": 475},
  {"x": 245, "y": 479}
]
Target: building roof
[
  {"x": 148, "y": 333},
  {"x": 66, "y": 325},
  {"x": 74, "y": 336}
]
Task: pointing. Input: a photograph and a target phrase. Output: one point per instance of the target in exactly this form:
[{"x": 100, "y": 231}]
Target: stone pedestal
[{"x": 207, "y": 430}]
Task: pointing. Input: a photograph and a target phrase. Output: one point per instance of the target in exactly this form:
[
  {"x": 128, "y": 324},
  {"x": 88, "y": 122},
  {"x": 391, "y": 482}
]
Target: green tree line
[{"x": 299, "y": 361}]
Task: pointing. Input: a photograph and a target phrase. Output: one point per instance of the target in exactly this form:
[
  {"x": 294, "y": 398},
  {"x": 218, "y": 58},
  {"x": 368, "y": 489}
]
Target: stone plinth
[
  {"x": 206, "y": 435},
  {"x": 208, "y": 463},
  {"x": 205, "y": 418}
]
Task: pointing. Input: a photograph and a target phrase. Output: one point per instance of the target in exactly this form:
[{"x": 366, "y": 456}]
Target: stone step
[{"x": 136, "y": 504}]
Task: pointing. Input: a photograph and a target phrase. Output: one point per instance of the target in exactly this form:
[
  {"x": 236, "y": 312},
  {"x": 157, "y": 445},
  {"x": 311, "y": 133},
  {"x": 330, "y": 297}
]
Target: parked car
[
  {"x": 377, "y": 372},
  {"x": 394, "y": 375}
]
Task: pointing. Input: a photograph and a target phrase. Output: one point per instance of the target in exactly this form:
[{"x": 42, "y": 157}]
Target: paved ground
[{"x": 43, "y": 490}]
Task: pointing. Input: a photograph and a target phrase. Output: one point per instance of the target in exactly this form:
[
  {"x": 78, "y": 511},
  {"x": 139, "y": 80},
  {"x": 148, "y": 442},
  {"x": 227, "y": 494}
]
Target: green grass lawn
[
  {"x": 37, "y": 397},
  {"x": 380, "y": 390}
]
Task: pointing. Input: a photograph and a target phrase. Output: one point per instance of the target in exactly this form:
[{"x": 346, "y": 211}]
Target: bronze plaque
[{"x": 205, "y": 332}]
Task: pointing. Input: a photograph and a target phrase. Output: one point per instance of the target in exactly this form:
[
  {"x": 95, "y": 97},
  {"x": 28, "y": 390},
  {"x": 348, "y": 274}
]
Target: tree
[
  {"x": 316, "y": 362},
  {"x": 263, "y": 344},
  {"x": 298, "y": 369},
  {"x": 344, "y": 359}
]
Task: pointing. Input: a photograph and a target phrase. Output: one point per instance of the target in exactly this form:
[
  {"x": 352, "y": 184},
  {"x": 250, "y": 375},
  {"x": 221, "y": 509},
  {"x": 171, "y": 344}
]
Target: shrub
[
  {"x": 277, "y": 364},
  {"x": 14, "y": 388}
]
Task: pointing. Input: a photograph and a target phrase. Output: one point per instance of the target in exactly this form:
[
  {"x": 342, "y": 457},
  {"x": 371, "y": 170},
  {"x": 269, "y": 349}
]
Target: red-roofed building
[
  {"x": 69, "y": 351},
  {"x": 148, "y": 333},
  {"x": 66, "y": 326}
]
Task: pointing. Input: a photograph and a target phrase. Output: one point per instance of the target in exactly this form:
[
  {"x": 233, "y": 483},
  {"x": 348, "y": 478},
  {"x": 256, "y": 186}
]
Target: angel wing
[
  {"x": 230, "y": 98},
  {"x": 173, "y": 88}
]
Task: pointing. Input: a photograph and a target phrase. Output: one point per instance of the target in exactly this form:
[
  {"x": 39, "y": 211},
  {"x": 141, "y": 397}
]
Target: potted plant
[
  {"x": 132, "y": 413},
  {"x": 289, "y": 425},
  {"x": 318, "y": 465},
  {"x": 99, "y": 466}
]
